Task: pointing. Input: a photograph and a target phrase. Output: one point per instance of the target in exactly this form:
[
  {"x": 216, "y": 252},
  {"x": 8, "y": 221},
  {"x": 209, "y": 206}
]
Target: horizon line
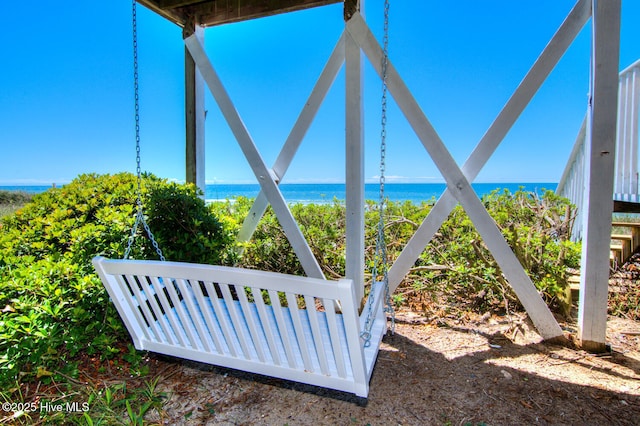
[{"x": 52, "y": 184}]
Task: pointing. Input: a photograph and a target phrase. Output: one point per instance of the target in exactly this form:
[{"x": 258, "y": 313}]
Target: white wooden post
[
  {"x": 354, "y": 159},
  {"x": 194, "y": 113},
  {"x": 599, "y": 173}
]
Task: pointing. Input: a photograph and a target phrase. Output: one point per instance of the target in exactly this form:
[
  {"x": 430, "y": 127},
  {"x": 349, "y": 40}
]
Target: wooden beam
[
  {"x": 350, "y": 8},
  {"x": 264, "y": 175},
  {"x": 171, "y": 15},
  {"x": 625, "y": 207},
  {"x": 222, "y": 12},
  {"x": 194, "y": 114},
  {"x": 172, "y": 4},
  {"x": 216, "y": 12},
  {"x": 354, "y": 164},
  {"x": 599, "y": 173}
]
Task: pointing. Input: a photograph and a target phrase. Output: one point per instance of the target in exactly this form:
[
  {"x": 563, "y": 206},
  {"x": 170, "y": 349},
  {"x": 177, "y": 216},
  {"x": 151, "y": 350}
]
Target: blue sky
[{"x": 66, "y": 95}]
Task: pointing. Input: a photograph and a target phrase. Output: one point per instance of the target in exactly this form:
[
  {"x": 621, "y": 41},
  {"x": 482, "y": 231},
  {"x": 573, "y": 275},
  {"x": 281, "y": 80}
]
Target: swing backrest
[{"x": 264, "y": 322}]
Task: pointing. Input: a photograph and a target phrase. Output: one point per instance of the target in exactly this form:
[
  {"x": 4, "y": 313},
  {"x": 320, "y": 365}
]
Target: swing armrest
[{"x": 377, "y": 293}]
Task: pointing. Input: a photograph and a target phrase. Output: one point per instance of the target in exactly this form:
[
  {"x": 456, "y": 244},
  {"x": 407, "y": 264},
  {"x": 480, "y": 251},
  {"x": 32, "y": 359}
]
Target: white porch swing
[{"x": 297, "y": 328}]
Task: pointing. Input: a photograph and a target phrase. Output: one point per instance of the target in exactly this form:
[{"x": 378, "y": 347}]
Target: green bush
[
  {"x": 185, "y": 228},
  {"x": 269, "y": 249},
  {"x": 456, "y": 267},
  {"x": 537, "y": 230},
  {"x": 53, "y": 306}
]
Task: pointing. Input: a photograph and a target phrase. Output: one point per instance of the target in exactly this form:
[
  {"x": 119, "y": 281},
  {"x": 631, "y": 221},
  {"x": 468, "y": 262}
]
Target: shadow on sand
[{"x": 472, "y": 382}]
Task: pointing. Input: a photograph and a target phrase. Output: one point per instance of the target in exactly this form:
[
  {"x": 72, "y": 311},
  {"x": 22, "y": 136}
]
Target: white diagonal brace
[
  {"x": 534, "y": 79},
  {"x": 459, "y": 186},
  {"x": 263, "y": 174},
  {"x": 300, "y": 128}
]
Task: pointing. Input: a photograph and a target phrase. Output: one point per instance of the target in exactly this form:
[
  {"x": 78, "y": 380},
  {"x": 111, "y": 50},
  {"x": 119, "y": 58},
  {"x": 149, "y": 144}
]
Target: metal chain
[
  {"x": 383, "y": 152},
  {"x": 140, "y": 219},
  {"x": 380, "y": 261}
]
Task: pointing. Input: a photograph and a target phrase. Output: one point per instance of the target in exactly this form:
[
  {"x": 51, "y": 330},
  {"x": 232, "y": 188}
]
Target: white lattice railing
[{"x": 626, "y": 167}]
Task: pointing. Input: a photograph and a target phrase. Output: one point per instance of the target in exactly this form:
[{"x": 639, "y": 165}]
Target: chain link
[
  {"x": 380, "y": 261},
  {"x": 136, "y": 91},
  {"x": 140, "y": 219},
  {"x": 383, "y": 161}
]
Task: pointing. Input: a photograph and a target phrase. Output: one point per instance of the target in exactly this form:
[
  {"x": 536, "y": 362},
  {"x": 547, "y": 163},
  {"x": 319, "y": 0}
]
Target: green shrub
[
  {"x": 456, "y": 267},
  {"x": 53, "y": 306},
  {"x": 185, "y": 228},
  {"x": 269, "y": 248},
  {"x": 537, "y": 230}
]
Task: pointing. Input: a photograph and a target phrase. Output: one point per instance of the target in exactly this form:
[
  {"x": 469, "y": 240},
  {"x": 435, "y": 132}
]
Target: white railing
[{"x": 626, "y": 167}]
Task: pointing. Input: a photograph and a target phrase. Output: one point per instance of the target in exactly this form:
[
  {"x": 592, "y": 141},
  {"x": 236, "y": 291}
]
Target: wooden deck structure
[
  {"x": 358, "y": 42},
  {"x": 207, "y": 13}
]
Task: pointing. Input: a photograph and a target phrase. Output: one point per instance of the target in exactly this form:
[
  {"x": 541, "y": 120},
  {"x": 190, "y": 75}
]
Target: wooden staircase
[{"x": 624, "y": 242}]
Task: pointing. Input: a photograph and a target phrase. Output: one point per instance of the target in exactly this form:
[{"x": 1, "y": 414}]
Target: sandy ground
[{"x": 469, "y": 371}]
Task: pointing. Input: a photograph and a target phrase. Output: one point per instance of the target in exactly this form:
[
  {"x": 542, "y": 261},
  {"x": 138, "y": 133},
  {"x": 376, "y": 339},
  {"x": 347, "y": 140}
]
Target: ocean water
[
  {"x": 326, "y": 193},
  {"x": 32, "y": 189},
  {"x": 321, "y": 193}
]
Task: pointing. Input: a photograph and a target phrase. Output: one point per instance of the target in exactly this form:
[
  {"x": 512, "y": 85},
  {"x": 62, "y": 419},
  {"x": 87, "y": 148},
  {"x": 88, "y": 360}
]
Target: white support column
[
  {"x": 354, "y": 170},
  {"x": 599, "y": 173},
  {"x": 194, "y": 114}
]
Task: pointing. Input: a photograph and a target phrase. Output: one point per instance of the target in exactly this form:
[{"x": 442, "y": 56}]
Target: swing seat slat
[{"x": 268, "y": 323}]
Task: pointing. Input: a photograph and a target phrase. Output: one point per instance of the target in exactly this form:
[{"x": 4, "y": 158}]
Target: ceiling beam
[
  {"x": 172, "y": 4},
  {"x": 218, "y": 12},
  {"x": 225, "y": 11},
  {"x": 171, "y": 15}
]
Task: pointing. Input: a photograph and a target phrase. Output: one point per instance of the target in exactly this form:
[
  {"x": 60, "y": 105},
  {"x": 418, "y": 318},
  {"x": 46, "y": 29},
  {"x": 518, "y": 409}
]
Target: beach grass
[{"x": 12, "y": 201}]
